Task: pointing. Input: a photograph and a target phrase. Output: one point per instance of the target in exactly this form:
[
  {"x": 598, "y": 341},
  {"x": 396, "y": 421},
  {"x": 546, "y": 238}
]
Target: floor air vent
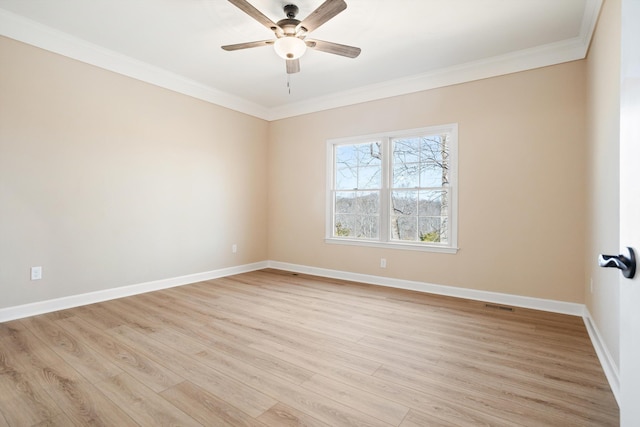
[{"x": 498, "y": 307}]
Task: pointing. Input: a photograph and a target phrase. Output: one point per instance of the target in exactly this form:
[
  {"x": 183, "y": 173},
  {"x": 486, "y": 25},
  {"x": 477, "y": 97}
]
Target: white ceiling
[{"x": 407, "y": 45}]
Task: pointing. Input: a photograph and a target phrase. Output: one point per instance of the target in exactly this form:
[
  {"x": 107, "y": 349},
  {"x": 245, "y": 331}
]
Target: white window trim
[{"x": 451, "y": 247}]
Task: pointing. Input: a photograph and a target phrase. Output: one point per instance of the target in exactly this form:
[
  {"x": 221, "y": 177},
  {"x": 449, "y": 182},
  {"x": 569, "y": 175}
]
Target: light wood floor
[{"x": 271, "y": 348}]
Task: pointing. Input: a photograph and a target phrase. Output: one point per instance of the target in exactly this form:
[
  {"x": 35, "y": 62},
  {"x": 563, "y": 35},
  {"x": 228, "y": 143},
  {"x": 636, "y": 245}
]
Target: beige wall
[
  {"x": 603, "y": 120},
  {"x": 106, "y": 181},
  {"x": 522, "y": 198}
]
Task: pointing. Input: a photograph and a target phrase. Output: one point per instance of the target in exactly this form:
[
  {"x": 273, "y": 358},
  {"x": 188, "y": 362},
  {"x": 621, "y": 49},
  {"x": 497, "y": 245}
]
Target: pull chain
[{"x": 289, "y": 83}]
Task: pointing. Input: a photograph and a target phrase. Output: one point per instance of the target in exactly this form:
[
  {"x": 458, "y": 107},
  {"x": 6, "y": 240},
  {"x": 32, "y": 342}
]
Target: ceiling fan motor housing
[
  {"x": 291, "y": 10},
  {"x": 288, "y": 26}
]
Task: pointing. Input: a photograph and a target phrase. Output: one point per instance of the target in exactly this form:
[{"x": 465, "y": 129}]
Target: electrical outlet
[
  {"x": 36, "y": 273},
  {"x": 234, "y": 248},
  {"x": 383, "y": 263}
]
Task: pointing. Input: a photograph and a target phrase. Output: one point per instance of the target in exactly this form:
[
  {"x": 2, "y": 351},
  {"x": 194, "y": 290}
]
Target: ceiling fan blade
[
  {"x": 322, "y": 14},
  {"x": 248, "y": 45},
  {"x": 293, "y": 66},
  {"x": 247, "y": 8},
  {"x": 335, "y": 48}
]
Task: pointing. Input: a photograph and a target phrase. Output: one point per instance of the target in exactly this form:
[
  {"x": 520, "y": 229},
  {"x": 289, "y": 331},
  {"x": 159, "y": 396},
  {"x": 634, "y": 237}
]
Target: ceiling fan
[{"x": 291, "y": 42}]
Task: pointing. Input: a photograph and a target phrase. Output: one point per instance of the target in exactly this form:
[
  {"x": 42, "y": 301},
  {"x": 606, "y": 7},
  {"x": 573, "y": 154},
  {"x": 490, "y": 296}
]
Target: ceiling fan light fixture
[{"x": 290, "y": 47}]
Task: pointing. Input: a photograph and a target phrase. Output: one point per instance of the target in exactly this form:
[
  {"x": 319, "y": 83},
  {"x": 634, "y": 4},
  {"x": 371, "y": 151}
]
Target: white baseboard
[
  {"x": 41, "y": 307},
  {"x": 609, "y": 366},
  {"x": 32, "y": 309},
  {"x": 473, "y": 294}
]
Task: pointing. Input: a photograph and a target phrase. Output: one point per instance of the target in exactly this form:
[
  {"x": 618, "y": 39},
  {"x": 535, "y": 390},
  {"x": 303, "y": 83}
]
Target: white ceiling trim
[
  {"x": 543, "y": 56},
  {"x": 527, "y": 59},
  {"x": 27, "y": 31},
  {"x": 36, "y": 34}
]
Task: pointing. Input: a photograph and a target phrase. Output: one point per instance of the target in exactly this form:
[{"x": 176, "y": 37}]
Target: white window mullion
[
  {"x": 453, "y": 186},
  {"x": 330, "y": 200},
  {"x": 385, "y": 202}
]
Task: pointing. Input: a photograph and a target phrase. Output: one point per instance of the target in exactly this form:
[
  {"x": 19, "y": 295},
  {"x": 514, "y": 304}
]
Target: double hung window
[{"x": 395, "y": 189}]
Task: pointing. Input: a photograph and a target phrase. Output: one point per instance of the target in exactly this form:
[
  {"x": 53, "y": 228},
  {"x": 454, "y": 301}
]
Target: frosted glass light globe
[{"x": 290, "y": 47}]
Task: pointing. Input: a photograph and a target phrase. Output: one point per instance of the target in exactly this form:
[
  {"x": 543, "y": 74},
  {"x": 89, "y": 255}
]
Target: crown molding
[
  {"x": 527, "y": 59},
  {"x": 36, "y": 34},
  {"x": 28, "y": 31},
  {"x": 514, "y": 62}
]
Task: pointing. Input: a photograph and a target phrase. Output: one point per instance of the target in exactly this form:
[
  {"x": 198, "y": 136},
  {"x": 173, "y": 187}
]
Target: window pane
[
  {"x": 434, "y": 148},
  {"x": 358, "y": 166},
  {"x": 404, "y": 227},
  {"x": 419, "y": 216},
  {"x": 404, "y": 202},
  {"x": 406, "y": 150},
  {"x": 346, "y": 168},
  {"x": 433, "y": 175},
  {"x": 404, "y": 210},
  {"x": 420, "y": 162},
  {"x": 433, "y": 211},
  {"x": 432, "y": 203},
  {"x": 346, "y": 155},
  {"x": 368, "y": 153},
  {"x": 346, "y": 178},
  {"x": 368, "y": 203},
  {"x": 369, "y": 177},
  {"x": 345, "y": 202},
  {"x": 406, "y": 175},
  {"x": 344, "y": 226},
  {"x": 366, "y": 226},
  {"x": 431, "y": 229},
  {"x": 357, "y": 214}
]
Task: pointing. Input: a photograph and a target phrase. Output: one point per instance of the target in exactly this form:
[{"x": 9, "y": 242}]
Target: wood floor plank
[
  {"x": 79, "y": 400},
  {"x": 282, "y": 415},
  {"x": 180, "y": 325},
  {"x": 207, "y": 408},
  {"x": 88, "y": 362},
  {"x": 508, "y": 406},
  {"x": 278, "y": 312},
  {"x": 274, "y": 348},
  {"x": 483, "y": 368},
  {"x": 60, "y": 420},
  {"x": 265, "y": 361},
  {"x": 22, "y": 401},
  {"x": 420, "y": 419},
  {"x": 128, "y": 358},
  {"x": 324, "y": 409},
  {"x": 435, "y": 402},
  {"x": 97, "y": 315},
  {"x": 255, "y": 329},
  {"x": 355, "y": 397},
  {"x": 142, "y": 404},
  {"x": 209, "y": 377}
]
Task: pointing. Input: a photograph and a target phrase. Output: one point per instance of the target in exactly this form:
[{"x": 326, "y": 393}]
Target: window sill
[{"x": 393, "y": 245}]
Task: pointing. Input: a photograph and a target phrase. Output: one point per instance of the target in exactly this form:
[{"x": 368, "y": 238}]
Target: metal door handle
[{"x": 625, "y": 262}]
